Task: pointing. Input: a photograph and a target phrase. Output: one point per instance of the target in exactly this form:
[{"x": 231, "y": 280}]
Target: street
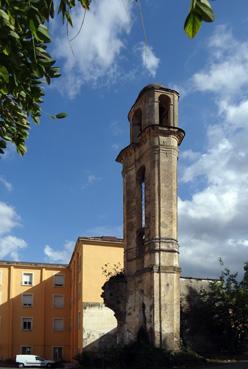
[{"x": 239, "y": 365}]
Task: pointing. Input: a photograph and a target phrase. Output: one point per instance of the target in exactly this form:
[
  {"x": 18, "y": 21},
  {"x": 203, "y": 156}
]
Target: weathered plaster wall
[
  {"x": 188, "y": 285},
  {"x": 99, "y": 325}
]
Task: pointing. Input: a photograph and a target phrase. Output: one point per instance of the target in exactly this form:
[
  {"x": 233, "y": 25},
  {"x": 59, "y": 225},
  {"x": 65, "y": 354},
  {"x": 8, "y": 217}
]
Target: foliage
[
  {"x": 200, "y": 11},
  {"x": 138, "y": 355},
  {"x": 109, "y": 270},
  {"x": 25, "y": 64},
  {"x": 221, "y": 313}
]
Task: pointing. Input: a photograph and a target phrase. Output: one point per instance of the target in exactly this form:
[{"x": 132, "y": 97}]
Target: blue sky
[{"x": 69, "y": 185}]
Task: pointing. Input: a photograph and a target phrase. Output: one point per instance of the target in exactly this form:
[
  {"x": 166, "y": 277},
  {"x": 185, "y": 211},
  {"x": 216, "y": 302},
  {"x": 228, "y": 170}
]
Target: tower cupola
[{"x": 155, "y": 105}]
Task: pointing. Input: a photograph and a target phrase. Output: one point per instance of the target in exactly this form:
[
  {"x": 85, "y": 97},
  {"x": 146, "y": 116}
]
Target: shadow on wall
[
  {"x": 104, "y": 342},
  {"x": 212, "y": 323},
  {"x": 32, "y": 322}
]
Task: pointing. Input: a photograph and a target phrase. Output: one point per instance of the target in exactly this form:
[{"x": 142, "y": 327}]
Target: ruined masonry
[{"x": 146, "y": 301}]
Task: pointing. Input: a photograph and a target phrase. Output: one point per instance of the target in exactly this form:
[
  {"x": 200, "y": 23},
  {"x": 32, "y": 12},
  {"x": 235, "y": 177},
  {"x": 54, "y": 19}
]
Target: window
[
  {"x": 164, "y": 110},
  {"x": 136, "y": 125},
  {"x": 27, "y": 300},
  {"x": 27, "y": 279},
  {"x": 58, "y": 324},
  {"x": 27, "y": 324},
  {"x": 141, "y": 212},
  {"x": 58, "y": 301},
  {"x": 58, "y": 353},
  {"x": 59, "y": 280},
  {"x": 26, "y": 350}
]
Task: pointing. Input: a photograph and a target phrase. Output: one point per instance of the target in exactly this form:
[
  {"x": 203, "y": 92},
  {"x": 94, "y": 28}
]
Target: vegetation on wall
[
  {"x": 220, "y": 314},
  {"x": 26, "y": 65}
]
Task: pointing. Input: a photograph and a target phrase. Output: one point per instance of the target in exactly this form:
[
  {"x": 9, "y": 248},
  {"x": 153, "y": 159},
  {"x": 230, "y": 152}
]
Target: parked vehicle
[{"x": 32, "y": 360}]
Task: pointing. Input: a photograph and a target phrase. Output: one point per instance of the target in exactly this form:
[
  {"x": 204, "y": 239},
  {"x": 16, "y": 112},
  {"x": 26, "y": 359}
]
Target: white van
[{"x": 32, "y": 360}]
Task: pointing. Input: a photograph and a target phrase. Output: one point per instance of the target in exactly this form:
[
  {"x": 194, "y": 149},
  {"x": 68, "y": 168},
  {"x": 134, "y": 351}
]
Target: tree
[
  {"x": 220, "y": 313},
  {"x": 25, "y": 64}
]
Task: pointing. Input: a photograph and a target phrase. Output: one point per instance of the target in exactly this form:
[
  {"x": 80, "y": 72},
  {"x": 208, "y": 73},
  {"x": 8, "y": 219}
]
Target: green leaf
[
  {"x": 4, "y": 73},
  {"x": 6, "y": 50},
  {"x": 4, "y": 90},
  {"x": 14, "y": 34},
  {"x": 4, "y": 16},
  {"x": 192, "y": 24},
  {"x": 21, "y": 149},
  {"x": 68, "y": 17},
  {"x": 32, "y": 27},
  {"x": 205, "y": 11},
  {"x": 44, "y": 31},
  {"x": 85, "y": 4},
  {"x": 60, "y": 115}
]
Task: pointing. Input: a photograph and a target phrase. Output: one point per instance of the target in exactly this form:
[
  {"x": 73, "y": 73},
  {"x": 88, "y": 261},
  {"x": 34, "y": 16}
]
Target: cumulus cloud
[
  {"x": 9, "y": 218},
  {"x": 226, "y": 71},
  {"x": 94, "y": 52},
  {"x": 59, "y": 256},
  {"x": 149, "y": 60},
  {"x": 9, "y": 244},
  {"x": 213, "y": 222}
]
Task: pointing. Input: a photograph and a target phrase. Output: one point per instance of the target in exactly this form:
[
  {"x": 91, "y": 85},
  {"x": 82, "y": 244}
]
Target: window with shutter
[
  {"x": 59, "y": 280},
  {"x": 27, "y": 300}
]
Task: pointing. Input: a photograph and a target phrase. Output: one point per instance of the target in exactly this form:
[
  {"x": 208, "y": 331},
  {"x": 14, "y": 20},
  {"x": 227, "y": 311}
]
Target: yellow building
[{"x": 55, "y": 310}]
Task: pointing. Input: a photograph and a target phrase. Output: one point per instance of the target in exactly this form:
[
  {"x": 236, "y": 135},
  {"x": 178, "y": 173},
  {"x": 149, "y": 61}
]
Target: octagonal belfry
[{"x": 151, "y": 265}]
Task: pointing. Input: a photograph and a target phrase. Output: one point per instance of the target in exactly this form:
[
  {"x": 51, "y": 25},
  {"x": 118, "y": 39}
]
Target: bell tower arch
[{"x": 151, "y": 262}]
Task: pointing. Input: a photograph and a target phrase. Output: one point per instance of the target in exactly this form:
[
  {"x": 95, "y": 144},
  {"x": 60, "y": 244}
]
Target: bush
[{"x": 138, "y": 355}]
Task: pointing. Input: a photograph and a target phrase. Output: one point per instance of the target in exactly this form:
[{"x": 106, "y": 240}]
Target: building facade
[
  {"x": 54, "y": 310},
  {"x": 34, "y": 315}
]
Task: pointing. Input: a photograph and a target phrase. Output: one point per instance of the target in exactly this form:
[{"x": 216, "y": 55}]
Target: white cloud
[
  {"x": 10, "y": 246},
  {"x": 59, "y": 256},
  {"x": 9, "y": 218},
  {"x": 213, "y": 222},
  {"x": 227, "y": 70},
  {"x": 93, "y": 53},
  {"x": 149, "y": 59},
  {"x": 9, "y": 152},
  {"x": 6, "y": 184},
  {"x": 91, "y": 180}
]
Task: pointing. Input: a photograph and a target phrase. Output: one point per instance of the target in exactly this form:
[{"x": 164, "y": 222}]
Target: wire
[
  {"x": 142, "y": 23},
  {"x": 81, "y": 26},
  {"x": 69, "y": 41}
]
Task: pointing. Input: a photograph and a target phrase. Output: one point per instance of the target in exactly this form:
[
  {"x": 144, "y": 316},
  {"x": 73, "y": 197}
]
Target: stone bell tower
[{"x": 151, "y": 263}]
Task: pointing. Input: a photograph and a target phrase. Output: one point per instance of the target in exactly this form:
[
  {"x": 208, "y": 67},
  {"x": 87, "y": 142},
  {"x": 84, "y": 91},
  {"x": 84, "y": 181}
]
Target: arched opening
[
  {"x": 141, "y": 213},
  {"x": 164, "y": 110},
  {"x": 136, "y": 125}
]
